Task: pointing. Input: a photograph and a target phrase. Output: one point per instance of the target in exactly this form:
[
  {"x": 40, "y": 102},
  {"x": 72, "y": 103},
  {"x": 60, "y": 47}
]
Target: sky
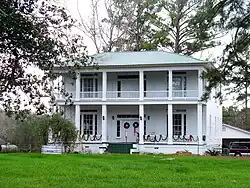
[{"x": 81, "y": 9}]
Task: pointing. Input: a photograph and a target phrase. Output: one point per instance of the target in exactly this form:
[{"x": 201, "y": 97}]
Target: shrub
[
  {"x": 33, "y": 132},
  {"x": 213, "y": 152}
]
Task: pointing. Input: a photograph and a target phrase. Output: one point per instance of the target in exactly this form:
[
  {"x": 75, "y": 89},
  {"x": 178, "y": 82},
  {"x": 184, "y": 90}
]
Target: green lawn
[{"x": 69, "y": 171}]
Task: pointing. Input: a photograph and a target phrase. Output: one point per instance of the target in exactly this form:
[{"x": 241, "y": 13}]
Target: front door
[{"x": 127, "y": 128}]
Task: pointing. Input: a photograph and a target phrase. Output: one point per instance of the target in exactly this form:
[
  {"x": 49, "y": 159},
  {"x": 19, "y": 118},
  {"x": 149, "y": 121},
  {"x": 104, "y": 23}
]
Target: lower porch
[{"x": 172, "y": 124}]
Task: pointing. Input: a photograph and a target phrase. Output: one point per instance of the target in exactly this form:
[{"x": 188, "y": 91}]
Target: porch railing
[
  {"x": 175, "y": 138},
  {"x": 90, "y": 138}
]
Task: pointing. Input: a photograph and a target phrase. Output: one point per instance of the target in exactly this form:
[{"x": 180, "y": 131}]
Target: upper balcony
[{"x": 135, "y": 86}]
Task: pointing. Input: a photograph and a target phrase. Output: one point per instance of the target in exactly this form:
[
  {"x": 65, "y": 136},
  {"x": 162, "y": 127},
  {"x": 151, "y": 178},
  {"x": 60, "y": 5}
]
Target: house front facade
[{"x": 149, "y": 102}]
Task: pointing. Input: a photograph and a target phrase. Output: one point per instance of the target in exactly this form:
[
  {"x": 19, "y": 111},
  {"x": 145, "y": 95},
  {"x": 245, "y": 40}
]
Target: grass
[{"x": 133, "y": 171}]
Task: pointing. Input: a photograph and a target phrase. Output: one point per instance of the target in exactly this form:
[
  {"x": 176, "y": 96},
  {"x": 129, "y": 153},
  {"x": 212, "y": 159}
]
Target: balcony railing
[
  {"x": 134, "y": 95},
  {"x": 91, "y": 95},
  {"x": 123, "y": 94},
  {"x": 156, "y": 94},
  {"x": 185, "y": 94}
]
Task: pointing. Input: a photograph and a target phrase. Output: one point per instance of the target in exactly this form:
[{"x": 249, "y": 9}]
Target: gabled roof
[
  {"x": 143, "y": 58},
  {"x": 236, "y": 128}
]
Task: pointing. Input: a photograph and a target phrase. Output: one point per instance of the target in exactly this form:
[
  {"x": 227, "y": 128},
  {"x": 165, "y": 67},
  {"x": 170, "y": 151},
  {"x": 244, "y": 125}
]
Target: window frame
[{"x": 86, "y": 128}]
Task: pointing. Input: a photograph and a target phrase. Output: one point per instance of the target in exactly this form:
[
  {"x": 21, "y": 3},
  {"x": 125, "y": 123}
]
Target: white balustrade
[
  {"x": 123, "y": 94},
  {"x": 91, "y": 94},
  {"x": 117, "y": 95}
]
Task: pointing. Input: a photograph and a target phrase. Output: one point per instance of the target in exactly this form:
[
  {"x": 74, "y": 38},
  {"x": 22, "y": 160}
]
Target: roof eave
[{"x": 202, "y": 63}]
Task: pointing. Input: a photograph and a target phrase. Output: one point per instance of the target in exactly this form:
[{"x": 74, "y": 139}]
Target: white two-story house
[{"x": 148, "y": 102}]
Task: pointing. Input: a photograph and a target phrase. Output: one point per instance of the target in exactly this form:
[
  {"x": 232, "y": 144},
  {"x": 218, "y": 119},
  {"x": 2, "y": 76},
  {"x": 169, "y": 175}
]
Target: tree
[
  {"x": 7, "y": 126},
  {"x": 63, "y": 131},
  {"x": 187, "y": 26},
  {"x": 34, "y": 131},
  {"x": 125, "y": 26},
  {"x": 230, "y": 115},
  {"x": 181, "y": 26},
  {"x": 232, "y": 69},
  {"x": 35, "y": 37},
  {"x": 235, "y": 117}
]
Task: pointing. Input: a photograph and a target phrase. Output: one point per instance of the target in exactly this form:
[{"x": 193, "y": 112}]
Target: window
[
  {"x": 185, "y": 124},
  {"x": 177, "y": 123},
  {"x": 89, "y": 87},
  {"x": 119, "y": 88},
  {"x": 95, "y": 124},
  {"x": 118, "y": 129},
  {"x": 179, "y": 84},
  {"x": 88, "y": 123}
]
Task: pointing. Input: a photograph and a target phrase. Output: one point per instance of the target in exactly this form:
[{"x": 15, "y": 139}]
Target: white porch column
[
  {"x": 104, "y": 123},
  {"x": 200, "y": 84},
  {"x": 77, "y": 117},
  {"x": 170, "y": 123},
  {"x": 170, "y": 84},
  {"x": 104, "y": 86},
  {"x": 199, "y": 122},
  {"x": 141, "y": 85},
  {"x": 78, "y": 82},
  {"x": 141, "y": 123}
]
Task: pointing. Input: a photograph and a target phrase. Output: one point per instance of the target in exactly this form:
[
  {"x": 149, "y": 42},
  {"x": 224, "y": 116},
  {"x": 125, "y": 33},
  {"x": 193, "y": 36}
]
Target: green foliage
[
  {"x": 34, "y": 35},
  {"x": 213, "y": 152},
  {"x": 231, "y": 74},
  {"x": 126, "y": 171},
  {"x": 235, "y": 117},
  {"x": 189, "y": 26},
  {"x": 7, "y": 126},
  {"x": 182, "y": 26},
  {"x": 33, "y": 132},
  {"x": 63, "y": 131}
]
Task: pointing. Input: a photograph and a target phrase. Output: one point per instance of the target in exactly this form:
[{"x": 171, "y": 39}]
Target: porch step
[{"x": 120, "y": 147}]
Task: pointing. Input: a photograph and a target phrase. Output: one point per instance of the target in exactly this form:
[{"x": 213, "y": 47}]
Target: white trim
[
  {"x": 104, "y": 123},
  {"x": 77, "y": 117},
  {"x": 136, "y": 69},
  {"x": 129, "y": 102},
  {"x": 170, "y": 84},
  {"x": 141, "y": 85},
  {"x": 141, "y": 124},
  {"x": 104, "y": 86},
  {"x": 236, "y": 128},
  {"x": 200, "y": 84},
  {"x": 199, "y": 122},
  {"x": 170, "y": 123},
  {"x": 78, "y": 83}
]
